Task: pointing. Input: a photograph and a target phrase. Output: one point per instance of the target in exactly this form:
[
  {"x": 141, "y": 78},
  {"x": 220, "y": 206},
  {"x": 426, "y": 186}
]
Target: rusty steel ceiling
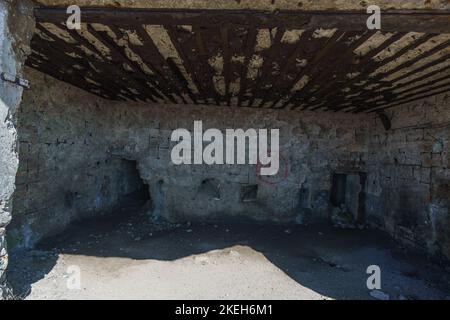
[{"x": 293, "y": 60}]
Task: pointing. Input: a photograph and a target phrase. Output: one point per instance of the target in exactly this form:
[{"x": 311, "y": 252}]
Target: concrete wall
[
  {"x": 71, "y": 143},
  {"x": 409, "y": 174},
  {"x": 313, "y": 146},
  {"x": 69, "y": 140},
  {"x": 65, "y": 171},
  {"x": 16, "y": 24}
]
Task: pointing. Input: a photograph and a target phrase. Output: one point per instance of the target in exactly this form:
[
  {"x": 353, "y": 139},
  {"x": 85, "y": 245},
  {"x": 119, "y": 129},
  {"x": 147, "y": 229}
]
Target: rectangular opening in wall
[
  {"x": 338, "y": 189},
  {"x": 347, "y": 197},
  {"x": 249, "y": 193},
  {"x": 209, "y": 189}
]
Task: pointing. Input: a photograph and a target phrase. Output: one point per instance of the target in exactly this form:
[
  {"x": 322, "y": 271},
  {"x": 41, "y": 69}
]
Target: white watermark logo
[
  {"x": 374, "y": 280},
  {"x": 235, "y": 147},
  {"x": 74, "y": 277},
  {"x": 74, "y": 20},
  {"x": 374, "y": 20}
]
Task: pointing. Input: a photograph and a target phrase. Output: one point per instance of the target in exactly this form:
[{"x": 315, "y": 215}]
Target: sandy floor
[{"x": 221, "y": 262}]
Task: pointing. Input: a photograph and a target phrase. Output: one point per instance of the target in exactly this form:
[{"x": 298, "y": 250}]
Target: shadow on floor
[{"x": 328, "y": 261}]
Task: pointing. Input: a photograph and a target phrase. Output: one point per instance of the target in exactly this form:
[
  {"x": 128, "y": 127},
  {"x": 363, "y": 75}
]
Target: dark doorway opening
[
  {"x": 348, "y": 194},
  {"x": 132, "y": 187},
  {"x": 338, "y": 189}
]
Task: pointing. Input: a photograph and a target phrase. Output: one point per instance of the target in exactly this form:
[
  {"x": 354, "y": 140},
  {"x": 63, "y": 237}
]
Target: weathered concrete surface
[
  {"x": 313, "y": 146},
  {"x": 255, "y": 4},
  {"x": 16, "y": 25},
  {"x": 409, "y": 174},
  {"x": 70, "y": 137},
  {"x": 65, "y": 171}
]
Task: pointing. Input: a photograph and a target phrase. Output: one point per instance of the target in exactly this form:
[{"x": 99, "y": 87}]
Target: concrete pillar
[{"x": 16, "y": 28}]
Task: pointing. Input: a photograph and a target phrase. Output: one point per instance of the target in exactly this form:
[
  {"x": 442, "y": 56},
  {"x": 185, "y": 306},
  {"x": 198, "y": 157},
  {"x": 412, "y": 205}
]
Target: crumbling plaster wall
[
  {"x": 68, "y": 136},
  {"x": 16, "y": 25},
  {"x": 65, "y": 172},
  {"x": 70, "y": 140},
  {"x": 312, "y": 147},
  {"x": 409, "y": 174}
]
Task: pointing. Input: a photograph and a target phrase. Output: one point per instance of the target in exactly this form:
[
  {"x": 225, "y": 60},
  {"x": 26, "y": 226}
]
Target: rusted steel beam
[
  {"x": 425, "y": 76},
  {"x": 157, "y": 89},
  {"x": 391, "y": 88},
  {"x": 369, "y": 94},
  {"x": 148, "y": 57},
  {"x": 444, "y": 58},
  {"x": 324, "y": 69},
  {"x": 209, "y": 43},
  {"x": 288, "y": 66},
  {"x": 411, "y": 62},
  {"x": 179, "y": 75},
  {"x": 201, "y": 36},
  {"x": 284, "y": 58},
  {"x": 166, "y": 73},
  {"x": 429, "y": 92},
  {"x": 73, "y": 77},
  {"x": 393, "y": 95},
  {"x": 33, "y": 63},
  {"x": 269, "y": 55},
  {"x": 120, "y": 57},
  {"x": 248, "y": 52},
  {"x": 313, "y": 66},
  {"x": 224, "y": 33},
  {"x": 163, "y": 66},
  {"x": 434, "y": 81},
  {"x": 335, "y": 70},
  {"x": 396, "y": 98},
  {"x": 237, "y": 40},
  {"x": 429, "y": 21},
  {"x": 110, "y": 77},
  {"x": 59, "y": 51},
  {"x": 332, "y": 87},
  {"x": 333, "y": 94},
  {"x": 311, "y": 51},
  {"x": 200, "y": 51},
  {"x": 186, "y": 63},
  {"x": 369, "y": 67},
  {"x": 107, "y": 76}
]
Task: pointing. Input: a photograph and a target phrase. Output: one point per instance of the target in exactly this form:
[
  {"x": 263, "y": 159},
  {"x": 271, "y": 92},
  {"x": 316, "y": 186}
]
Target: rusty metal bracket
[{"x": 15, "y": 80}]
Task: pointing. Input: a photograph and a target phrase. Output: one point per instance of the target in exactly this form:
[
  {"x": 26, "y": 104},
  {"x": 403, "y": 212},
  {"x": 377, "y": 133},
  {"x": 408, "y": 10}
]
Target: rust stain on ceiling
[{"x": 247, "y": 58}]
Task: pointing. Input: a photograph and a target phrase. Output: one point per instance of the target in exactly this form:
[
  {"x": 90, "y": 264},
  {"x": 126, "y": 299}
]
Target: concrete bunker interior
[{"x": 364, "y": 120}]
